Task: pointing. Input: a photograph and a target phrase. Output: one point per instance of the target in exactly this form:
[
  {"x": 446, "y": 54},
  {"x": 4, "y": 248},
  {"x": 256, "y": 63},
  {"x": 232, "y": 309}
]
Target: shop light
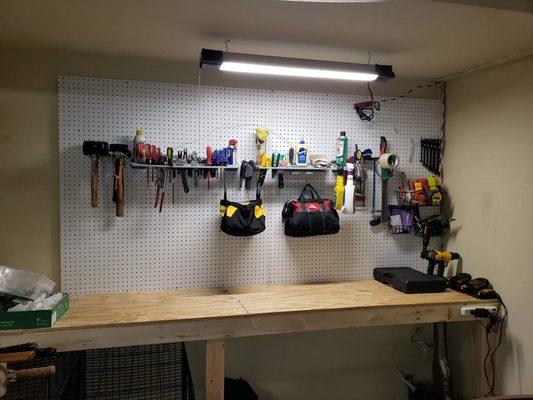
[{"x": 283, "y": 66}]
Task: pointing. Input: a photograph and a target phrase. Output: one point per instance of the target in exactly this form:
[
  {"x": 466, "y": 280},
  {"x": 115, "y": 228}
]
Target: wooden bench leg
[{"x": 214, "y": 369}]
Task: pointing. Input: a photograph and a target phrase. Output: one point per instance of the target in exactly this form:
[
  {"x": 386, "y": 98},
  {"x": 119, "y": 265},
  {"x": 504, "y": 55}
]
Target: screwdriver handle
[{"x": 170, "y": 155}]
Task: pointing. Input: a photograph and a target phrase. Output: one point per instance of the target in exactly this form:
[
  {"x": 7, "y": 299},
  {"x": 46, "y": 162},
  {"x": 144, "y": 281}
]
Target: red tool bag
[{"x": 310, "y": 215}]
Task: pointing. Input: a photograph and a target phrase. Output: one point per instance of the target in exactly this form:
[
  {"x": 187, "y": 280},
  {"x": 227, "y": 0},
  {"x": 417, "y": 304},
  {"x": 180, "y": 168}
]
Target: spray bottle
[
  {"x": 232, "y": 152},
  {"x": 339, "y": 189},
  {"x": 342, "y": 149},
  {"x": 349, "y": 190}
]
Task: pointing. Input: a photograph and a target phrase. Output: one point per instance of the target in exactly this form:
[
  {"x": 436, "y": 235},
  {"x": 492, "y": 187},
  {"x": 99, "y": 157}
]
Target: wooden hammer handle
[
  {"x": 16, "y": 357},
  {"x": 94, "y": 180},
  {"x": 33, "y": 372},
  {"x": 120, "y": 189}
]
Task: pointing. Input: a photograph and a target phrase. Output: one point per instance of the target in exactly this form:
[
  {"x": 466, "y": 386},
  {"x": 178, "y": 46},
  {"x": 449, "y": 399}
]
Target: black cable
[
  {"x": 366, "y": 110},
  {"x": 492, "y": 383},
  {"x": 424, "y": 86},
  {"x": 491, "y": 391},
  {"x": 375, "y": 104}
]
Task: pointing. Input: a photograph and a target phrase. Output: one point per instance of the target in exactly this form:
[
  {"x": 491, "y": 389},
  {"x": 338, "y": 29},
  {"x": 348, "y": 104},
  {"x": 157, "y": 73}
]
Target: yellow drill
[
  {"x": 435, "y": 257},
  {"x": 439, "y": 258}
]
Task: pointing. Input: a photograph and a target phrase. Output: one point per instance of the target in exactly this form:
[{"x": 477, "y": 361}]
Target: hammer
[
  {"x": 119, "y": 152},
  {"x": 95, "y": 150}
]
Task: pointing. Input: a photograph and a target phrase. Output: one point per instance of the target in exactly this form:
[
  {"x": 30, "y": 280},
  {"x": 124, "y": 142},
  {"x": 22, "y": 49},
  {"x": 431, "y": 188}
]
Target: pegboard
[{"x": 183, "y": 247}]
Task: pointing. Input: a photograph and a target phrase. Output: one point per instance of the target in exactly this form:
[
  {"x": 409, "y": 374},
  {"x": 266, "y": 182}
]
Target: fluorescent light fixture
[{"x": 283, "y": 66}]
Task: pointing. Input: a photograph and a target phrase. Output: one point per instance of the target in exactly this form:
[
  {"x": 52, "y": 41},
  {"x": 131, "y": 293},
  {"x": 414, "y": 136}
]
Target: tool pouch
[
  {"x": 245, "y": 219},
  {"x": 310, "y": 215}
]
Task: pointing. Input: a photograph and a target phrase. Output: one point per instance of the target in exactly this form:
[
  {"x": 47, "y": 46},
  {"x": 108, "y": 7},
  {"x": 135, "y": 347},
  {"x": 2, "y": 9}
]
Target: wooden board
[
  {"x": 108, "y": 320},
  {"x": 214, "y": 369}
]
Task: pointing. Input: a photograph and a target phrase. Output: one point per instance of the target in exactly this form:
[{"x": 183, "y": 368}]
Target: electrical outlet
[{"x": 467, "y": 309}]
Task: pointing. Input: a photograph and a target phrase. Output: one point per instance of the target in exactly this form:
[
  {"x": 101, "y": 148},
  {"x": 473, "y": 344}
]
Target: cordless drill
[{"x": 441, "y": 259}]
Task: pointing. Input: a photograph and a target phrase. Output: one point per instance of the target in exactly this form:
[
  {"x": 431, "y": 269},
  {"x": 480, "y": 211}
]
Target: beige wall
[
  {"x": 488, "y": 165},
  {"x": 347, "y": 364}
]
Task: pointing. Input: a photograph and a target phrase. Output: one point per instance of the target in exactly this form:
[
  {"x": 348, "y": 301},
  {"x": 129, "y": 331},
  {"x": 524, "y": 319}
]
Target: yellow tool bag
[{"x": 245, "y": 219}]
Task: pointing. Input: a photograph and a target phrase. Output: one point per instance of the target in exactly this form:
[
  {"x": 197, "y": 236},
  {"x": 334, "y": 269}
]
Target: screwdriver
[
  {"x": 170, "y": 158},
  {"x": 163, "y": 178}
]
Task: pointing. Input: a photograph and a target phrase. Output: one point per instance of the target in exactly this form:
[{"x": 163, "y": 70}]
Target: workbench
[{"x": 213, "y": 314}]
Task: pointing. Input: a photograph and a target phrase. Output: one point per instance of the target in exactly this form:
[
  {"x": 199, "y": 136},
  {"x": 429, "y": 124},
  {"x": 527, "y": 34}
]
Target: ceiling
[{"x": 422, "y": 39}]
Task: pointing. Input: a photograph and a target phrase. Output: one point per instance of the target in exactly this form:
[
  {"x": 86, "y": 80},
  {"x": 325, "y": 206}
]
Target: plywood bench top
[
  {"x": 238, "y": 311},
  {"x": 130, "y": 308}
]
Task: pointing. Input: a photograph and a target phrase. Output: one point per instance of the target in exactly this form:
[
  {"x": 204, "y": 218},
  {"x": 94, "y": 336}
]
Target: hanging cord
[
  {"x": 199, "y": 105},
  {"x": 489, "y": 356},
  {"x": 366, "y": 109},
  {"x": 443, "y": 132}
]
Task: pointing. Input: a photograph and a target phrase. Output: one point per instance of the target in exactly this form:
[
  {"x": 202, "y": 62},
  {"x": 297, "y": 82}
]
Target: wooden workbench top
[
  {"x": 129, "y": 308},
  {"x": 222, "y": 311}
]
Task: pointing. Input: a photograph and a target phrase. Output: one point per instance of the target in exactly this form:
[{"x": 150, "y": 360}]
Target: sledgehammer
[
  {"x": 95, "y": 150},
  {"x": 119, "y": 152}
]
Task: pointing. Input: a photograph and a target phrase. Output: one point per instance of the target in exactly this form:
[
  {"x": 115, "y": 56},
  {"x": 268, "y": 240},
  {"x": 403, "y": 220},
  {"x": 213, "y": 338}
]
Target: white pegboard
[{"x": 183, "y": 247}]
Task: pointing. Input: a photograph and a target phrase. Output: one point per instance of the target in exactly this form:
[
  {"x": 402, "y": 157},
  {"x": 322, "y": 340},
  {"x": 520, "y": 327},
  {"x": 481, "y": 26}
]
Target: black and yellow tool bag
[{"x": 245, "y": 219}]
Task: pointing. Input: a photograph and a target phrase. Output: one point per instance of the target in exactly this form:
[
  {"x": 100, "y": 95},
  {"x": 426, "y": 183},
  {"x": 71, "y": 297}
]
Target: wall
[
  {"x": 29, "y": 237},
  {"x": 345, "y": 364},
  {"x": 488, "y": 166}
]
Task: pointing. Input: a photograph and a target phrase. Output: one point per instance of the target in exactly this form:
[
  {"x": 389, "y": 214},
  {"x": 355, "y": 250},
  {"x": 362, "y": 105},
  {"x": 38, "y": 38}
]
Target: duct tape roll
[{"x": 389, "y": 160}]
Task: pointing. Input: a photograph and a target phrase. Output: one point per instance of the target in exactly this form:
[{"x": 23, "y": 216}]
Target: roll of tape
[{"x": 389, "y": 160}]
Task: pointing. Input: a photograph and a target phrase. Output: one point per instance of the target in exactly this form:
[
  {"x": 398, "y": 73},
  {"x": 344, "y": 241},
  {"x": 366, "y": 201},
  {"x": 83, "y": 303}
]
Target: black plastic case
[{"x": 409, "y": 280}]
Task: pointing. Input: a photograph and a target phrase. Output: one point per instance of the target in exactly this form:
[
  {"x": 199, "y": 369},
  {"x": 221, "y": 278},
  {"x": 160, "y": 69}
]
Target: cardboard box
[{"x": 34, "y": 319}]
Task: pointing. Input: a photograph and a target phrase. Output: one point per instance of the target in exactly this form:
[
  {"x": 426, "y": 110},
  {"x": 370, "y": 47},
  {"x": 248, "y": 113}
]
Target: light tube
[
  {"x": 265, "y": 69},
  {"x": 297, "y": 67}
]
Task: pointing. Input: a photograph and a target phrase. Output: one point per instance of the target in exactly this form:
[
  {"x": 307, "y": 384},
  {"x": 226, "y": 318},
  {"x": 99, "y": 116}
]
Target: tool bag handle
[
  {"x": 257, "y": 194},
  {"x": 309, "y": 194}
]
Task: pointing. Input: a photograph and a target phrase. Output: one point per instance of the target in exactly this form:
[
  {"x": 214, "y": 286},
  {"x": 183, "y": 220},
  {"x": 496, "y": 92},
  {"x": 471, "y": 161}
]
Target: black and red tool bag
[{"x": 310, "y": 215}]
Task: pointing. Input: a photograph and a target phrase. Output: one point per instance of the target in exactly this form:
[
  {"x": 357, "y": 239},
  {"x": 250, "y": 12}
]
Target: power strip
[{"x": 467, "y": 310}]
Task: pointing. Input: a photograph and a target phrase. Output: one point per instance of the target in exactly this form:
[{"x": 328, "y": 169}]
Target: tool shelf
[
  {"x": 308, "y": 168},
  {"x": 135, "y": 165}
]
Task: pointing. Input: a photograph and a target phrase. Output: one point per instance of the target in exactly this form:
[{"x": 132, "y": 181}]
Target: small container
[
  {"x": 232, "y": 152},
  {"x": 342, "y": 149},
  {"x": 139, "y": 154},
  {"x": 302, "y": 156},
  {"x": 401, "y": 219}
]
